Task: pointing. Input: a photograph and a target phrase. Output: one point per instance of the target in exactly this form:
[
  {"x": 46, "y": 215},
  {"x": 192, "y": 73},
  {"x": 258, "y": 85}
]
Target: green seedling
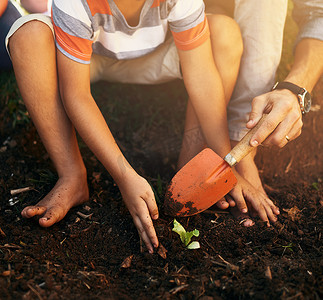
[
  {"x": 316, "y": 186},
  {"x": 289, "y": 247},
  {"x": 186, "y": 236}
]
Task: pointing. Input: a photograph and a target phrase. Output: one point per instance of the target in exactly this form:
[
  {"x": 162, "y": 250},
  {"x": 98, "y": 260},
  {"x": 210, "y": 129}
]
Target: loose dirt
[{"x": 95, "y": 252}]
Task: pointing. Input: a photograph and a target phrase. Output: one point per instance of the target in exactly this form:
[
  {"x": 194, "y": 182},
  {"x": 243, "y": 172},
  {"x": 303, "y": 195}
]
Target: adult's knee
[
  {"x": 226, "y": 35},
  {"x": 29, "y": 38}
]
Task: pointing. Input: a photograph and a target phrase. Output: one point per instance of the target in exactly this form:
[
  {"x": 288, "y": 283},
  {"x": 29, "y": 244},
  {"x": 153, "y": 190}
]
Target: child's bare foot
[{"x": 67, "y": 193}]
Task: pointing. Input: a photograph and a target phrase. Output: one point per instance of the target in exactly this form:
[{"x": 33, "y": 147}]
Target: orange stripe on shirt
[
  {"x": 192, "y": 38},
  {"x": 75, "y": 46},
  {"x": 99, "y": 7},
  {"x": 157, "y": 3}
]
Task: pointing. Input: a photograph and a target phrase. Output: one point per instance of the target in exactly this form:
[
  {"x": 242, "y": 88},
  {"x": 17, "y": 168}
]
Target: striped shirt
[{"x": 83, "y": 27}]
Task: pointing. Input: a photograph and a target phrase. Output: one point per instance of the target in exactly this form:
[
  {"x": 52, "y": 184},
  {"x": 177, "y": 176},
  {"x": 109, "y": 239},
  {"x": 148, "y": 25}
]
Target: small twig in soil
[
  {"x": 20, "y": 190},
  {"x": 88, "y": 228},
  {"x": 127, "y": 262},
  {"x": 216, "y": 219},
  {"x": 162, "y": 251},
  {"x": 289, "y": 165},
  {"x": 10, "y": 246},
  {"x": 268, "y": 273},
  {"x": 178, "y": 288},
  {"x": 87, "y": 208},
  {"x": 84, "y": 216},
  {"x": 242, "y": 221},
  {"x": 270, "y": 189},
  {"x": 231, "y": 266},
  {"x": 215, "y": 226},
  {"x": 141, "y": 245},
  {"x": 166, "y": 268},
  {"x": 35, "y": 292},
  {"x": 214, "y": 212},
  {"x": 2, "y": 233},
  {"x": 7, "y": 273},
  {"x": 296, "y": 296},
  {"x": 209, "y": 245},
  {"x": 219, "y": 264}
]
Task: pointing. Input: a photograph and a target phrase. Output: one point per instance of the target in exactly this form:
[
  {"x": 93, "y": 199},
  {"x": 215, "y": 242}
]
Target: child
[{"x": 122, "y": 40}]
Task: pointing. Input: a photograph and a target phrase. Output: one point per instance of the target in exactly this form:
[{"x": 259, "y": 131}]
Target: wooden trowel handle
[{"x": 243, "y": 148}]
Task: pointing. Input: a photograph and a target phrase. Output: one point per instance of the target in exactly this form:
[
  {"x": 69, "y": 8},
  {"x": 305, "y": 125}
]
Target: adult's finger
[
  {"x": 291, "y": 127},
  {"x": 279, "y": 105},
  {"x": 257, "y": 109},
  {"x": 272, "y": 120}
]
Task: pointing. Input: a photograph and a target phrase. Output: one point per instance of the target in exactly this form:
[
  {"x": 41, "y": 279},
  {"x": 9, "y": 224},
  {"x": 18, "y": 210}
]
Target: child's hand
[
  {"x": 245, "y": 195},
  {"x": 140, "y": 200}
]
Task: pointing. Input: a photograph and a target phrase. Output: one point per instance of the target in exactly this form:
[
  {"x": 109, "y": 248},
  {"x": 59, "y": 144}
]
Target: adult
[{"x": 262, "y": 25}]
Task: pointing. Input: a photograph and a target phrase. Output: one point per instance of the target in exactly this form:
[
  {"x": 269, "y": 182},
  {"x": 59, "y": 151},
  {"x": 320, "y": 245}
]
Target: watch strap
[{"x": 295, "y": 89}]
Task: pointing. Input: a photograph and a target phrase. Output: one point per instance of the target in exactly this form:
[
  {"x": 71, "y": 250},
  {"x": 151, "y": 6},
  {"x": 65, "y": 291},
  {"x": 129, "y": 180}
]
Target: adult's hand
[
  {"x": 282, "y": 106},
  {"x": 284, "y": 118}
]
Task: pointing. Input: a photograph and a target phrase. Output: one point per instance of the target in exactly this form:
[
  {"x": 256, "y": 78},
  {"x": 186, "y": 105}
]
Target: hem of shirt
[
  {"x": 86, "y": 62},
  {"x": 195, "y": 43},
  {"x": 311, "y": 30}
]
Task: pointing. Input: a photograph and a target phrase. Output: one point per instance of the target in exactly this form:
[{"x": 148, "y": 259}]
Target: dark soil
[{"x": 95, "y": 253}]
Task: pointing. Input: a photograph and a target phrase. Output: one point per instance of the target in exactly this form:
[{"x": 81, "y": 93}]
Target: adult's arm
[{"x": 285, "y": 117}]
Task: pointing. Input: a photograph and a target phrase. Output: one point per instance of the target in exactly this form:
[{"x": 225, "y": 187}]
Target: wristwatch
[{"x": 304, "y": 97}]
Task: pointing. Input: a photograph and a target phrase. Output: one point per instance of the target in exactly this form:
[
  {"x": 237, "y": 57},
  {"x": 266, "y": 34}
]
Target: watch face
[{"x": 307, "y": 102}]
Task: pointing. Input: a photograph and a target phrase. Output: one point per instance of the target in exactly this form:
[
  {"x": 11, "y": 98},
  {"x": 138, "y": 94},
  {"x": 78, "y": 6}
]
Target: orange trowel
[{"x": 205, "y": 179}]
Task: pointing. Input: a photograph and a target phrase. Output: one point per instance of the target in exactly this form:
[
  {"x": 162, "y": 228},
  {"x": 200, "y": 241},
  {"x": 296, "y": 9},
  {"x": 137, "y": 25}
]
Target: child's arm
[
  {"x": 74, "y": 81},
  {"x": 204, "y": 86}
]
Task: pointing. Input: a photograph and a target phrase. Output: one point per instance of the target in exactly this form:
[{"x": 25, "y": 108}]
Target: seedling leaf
[
  {"x": 184, "y": 235},
  {"x": 179, "y": 229},
  {"x": 189, "y": 235},
  {"x": 194, "y": 245}
]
